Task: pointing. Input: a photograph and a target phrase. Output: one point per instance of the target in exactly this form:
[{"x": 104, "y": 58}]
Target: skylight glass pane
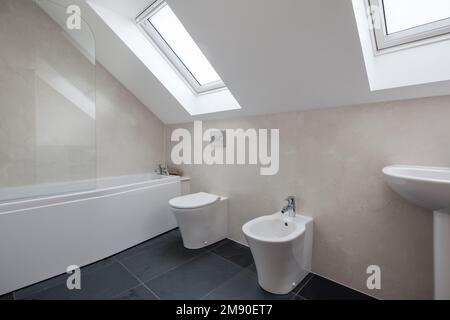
[
  {"x": 170, "y": 28},
  {"x": 405, "y": 14}
]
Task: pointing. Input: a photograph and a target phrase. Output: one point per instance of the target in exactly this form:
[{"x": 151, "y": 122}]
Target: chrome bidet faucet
[{"x": 290, "y": 207}]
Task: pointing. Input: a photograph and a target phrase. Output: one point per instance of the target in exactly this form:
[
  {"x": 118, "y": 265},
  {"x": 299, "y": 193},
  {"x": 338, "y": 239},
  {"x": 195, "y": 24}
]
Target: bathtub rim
[{"x": 9, "y": 207}]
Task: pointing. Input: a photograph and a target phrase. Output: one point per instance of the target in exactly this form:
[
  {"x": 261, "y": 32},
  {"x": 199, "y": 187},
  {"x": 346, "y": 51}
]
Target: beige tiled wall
[
  {"x": 331, "y": 159},
  {"x": 44, "y": 135},
  {"x": 130, "y": 138}
]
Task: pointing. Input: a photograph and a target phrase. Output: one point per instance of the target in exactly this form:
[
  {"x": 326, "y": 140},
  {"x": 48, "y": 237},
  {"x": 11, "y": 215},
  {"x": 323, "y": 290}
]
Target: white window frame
[
  {"x": 143, "y": 22},
  {"x": 434, "y": 31}
]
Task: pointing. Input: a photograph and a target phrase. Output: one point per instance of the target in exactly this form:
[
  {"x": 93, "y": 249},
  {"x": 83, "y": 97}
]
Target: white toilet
[{"x": 202, "y": 218}]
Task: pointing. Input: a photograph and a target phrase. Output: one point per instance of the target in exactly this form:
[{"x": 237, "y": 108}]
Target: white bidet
[{"x": 281, "y": 247}]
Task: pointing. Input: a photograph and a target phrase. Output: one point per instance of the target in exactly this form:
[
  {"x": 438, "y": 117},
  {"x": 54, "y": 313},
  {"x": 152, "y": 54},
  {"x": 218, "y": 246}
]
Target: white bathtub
[{"x": 41, "y": 237}]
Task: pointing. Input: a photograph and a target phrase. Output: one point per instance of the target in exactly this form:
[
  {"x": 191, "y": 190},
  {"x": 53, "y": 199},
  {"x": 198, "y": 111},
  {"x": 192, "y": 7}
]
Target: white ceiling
[{"x": 274, "y": 56}]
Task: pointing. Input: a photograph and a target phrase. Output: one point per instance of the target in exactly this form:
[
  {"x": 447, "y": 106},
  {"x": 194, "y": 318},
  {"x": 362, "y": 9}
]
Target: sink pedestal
[
  {"x": 429, "y": 188},
  {"x": 441, "y": 226}
]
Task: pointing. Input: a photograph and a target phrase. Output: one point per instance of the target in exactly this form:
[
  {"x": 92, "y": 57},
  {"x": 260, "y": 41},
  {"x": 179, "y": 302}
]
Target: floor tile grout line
[
  {"x": 236, "y": 264},
  {"x": 217, "y": 254},
  {"x": 222, "y": 284},
  {"x": 311, "y": 275},
  {"x": 137, "y": 278},
  {"x": 175, "y": 267},
  {"x": 126, "y": 290},
  {"x": 218, "y": 246},
  {"x": 242, "y": 269},
  {"x": 302, "y": 298},
  {"x": 114, "y": 260},
  {"x": 152, "y": 292}
]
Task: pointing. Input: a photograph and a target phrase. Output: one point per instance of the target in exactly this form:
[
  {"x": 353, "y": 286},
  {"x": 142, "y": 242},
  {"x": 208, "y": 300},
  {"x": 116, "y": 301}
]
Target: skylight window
[
  {"x": 405, "y": 21},
  {"x": 406, "y": 14},
  {"x": 169, "y": 35}
]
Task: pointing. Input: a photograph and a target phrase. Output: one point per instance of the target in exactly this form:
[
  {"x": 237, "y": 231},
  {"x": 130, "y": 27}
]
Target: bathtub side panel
[{"x": 39, "y": 243}]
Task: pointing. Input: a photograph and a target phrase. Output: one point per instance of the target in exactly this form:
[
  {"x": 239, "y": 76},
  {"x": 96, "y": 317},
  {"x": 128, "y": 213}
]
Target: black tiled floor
[
  {"x": 217, "y": 244},
  {"x": 168, "y": 236},
  {"x": 319, "y": 288},
  {"x": 100, "y": 284},
  {"x": 303, "y": 283},
  {"x": 235, "y": 252},
  {"x": 244, "y": 286},
  {"x": 26, "y": 292},
  {"x": 138, "y": 293},
  {"x": 252, "y": 268},
  {"x": 153, "y": 260},
  {"x": 162, "y": 268},
  {"x": 194, "y": 279},
  {"x": 9, "y": 296}
]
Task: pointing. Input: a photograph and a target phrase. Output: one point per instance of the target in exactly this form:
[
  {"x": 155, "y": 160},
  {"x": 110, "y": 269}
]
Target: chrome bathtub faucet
[
  {"x": 162, "y": 170},
  {"x": 290, "y": 207}
]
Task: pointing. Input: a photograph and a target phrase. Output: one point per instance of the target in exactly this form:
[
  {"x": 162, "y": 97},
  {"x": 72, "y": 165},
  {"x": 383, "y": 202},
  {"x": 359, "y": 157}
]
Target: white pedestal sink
[{"x": 429, "y": 188}]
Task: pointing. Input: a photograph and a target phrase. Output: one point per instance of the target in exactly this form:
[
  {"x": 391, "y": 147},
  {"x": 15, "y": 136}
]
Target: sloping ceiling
[{"x": 274, "y": 56}]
